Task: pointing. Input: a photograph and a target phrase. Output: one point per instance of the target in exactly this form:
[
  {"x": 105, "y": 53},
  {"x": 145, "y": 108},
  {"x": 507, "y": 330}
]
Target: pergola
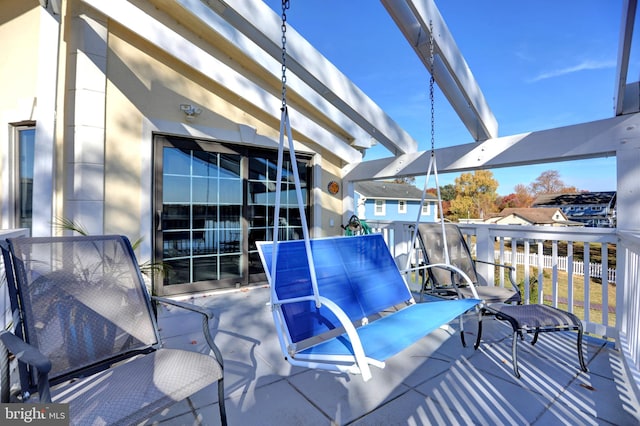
[{"x": 321, "y": 85}]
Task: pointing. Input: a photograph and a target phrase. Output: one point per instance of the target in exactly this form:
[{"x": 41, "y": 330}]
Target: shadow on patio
[{"x": 436, "y": 381}]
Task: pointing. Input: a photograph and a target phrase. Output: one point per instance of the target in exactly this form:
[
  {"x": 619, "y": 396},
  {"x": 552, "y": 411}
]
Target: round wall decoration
[{"x": 333, "y": 187}]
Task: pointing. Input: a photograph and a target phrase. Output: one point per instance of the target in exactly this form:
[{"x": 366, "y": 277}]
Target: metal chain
[
  {"x": 285, "y": 7},
  {"x": 432, "y": 81}
]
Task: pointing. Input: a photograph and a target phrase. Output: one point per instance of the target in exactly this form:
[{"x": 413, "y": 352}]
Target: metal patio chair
[
  {"x": 85, "y": 333},
  {"x": 446, "y": 283},
  {"x": 503, "y": 303}
]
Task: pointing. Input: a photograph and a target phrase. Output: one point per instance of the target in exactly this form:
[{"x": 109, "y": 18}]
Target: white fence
[{"x": 562, "y": 263}]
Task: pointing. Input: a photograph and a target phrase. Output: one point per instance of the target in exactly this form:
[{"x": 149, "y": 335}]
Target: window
[
  {"x": 426, "y": 208},
  {"x": 25, "y": 138},
  {"x": 214, "y": 202},
  {"x": 380, "y": 208},
  {"x": 402, "y": 206}
]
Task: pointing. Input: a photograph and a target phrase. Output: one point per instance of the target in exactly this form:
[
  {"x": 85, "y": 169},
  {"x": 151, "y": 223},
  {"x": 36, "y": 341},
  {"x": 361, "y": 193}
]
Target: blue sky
[{"x": 540, "y": 64}]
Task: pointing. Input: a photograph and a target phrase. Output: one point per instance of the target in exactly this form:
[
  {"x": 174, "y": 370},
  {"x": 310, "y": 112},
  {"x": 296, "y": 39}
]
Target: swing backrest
[{"x": 357, "y": 273}]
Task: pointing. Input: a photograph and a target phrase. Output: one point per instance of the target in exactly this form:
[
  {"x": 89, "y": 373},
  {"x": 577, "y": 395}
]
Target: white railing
[
  {"x": 576, "y": 294},
  {"x": 531, "y": 239},
  {"x": 628, "y": 302}
]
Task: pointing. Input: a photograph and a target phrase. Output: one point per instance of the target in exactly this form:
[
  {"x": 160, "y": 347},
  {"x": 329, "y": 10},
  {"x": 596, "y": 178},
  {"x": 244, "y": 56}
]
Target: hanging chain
[
  {"x": 432, "y": 81},
  {"x": 285, "y": 6}
]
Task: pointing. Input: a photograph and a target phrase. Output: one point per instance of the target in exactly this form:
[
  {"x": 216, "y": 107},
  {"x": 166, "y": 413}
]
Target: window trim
[
  {"x": 378, "y": 202},
  {"x": 16, "y": 196},
  {"x": 402, "y": 206}
]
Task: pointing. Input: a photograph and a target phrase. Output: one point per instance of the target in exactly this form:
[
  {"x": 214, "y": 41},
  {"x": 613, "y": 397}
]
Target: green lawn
[{"x": 596, "y": 293}]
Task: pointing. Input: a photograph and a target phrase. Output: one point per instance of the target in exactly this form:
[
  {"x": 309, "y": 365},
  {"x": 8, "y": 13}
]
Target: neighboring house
[
  {"x": 377, "y": 200},
  {"x": 530, "y": 216},
  {"x": 593, "y": 209},
  {"x": 161, "y": 120}
]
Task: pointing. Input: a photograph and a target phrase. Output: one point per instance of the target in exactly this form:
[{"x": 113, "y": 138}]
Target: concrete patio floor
[{"x": 436, "y": 381}]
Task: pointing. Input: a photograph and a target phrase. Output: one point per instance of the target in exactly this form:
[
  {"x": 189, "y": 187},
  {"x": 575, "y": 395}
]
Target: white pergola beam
[
  {"x": 263, "y": 26},
  {"x": 416, "y": 18},
  {"x": 624, "y": 52},
  {"x": 589, "y": 140},
  {"x": 209, "y": 17},
  {"x": 183, "y": 50}
]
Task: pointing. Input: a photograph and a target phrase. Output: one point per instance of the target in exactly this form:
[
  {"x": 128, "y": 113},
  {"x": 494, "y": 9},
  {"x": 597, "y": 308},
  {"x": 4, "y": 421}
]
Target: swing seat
[{"x": 366, "y": 313}]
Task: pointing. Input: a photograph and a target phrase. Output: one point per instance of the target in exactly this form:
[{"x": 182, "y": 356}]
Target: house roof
[
  {"x": 577, "y": 198},
  {"x": 536, "y": 216},
  {"x": 390, "y": 190}
]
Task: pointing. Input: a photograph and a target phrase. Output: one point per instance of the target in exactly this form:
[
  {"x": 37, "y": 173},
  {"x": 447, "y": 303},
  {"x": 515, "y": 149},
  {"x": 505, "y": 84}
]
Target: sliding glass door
[{"x": 213, "y": 201}]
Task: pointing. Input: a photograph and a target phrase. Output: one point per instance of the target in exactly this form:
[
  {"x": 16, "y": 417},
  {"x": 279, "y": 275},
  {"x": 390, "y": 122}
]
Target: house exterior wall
[
  {"x": 114, "y": 89},
  {"x": 512, "y": 220},
  {"x": 392, "y": 212},
  {"x": 18, "y": 85},
  {"x": 18, "y": 78}
]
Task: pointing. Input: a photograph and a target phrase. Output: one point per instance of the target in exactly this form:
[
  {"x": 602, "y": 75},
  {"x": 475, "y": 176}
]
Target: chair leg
[
  {"x": 514, "y": 354},
  {"x": 5, "y": 385},
  {"x": 479, "y": 336},
  {"x": 535, "y": 336},
  {"x": 223, "y": 410},
  {"x": 464, "y": 343},
  {"x": 583, "y": 366}
]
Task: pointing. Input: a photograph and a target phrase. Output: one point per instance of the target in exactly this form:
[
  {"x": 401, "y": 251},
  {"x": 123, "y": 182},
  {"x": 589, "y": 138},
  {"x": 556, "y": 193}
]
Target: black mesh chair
[
  {"x": 85, "y": 333},
  {"x": 446, "y": 283},
  {"x": 501, "y": 302}
]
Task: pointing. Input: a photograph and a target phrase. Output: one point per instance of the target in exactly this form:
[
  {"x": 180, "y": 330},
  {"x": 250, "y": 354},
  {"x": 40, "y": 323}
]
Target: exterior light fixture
[{"x": 190, "y": 111}]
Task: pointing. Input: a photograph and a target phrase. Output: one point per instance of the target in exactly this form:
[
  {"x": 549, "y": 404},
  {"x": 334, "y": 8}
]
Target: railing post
[{"x": 485, "y": 251}]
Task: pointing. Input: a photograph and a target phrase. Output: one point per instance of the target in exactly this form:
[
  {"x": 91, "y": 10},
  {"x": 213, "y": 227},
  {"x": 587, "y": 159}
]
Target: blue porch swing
[{"x": 341, "y": 303}]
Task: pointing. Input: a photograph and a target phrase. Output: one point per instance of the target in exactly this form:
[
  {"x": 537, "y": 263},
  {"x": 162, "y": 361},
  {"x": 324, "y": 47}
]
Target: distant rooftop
[
  {"x": 537, "y": 216},
  {"x": 390, "y": 190},
  {"x": 578, "y": 198}
]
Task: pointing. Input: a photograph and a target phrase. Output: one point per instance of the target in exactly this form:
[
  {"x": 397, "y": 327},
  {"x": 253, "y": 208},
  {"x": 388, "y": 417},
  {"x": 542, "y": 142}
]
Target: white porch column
[
  {"x": 85, "y": 124},
  {"x": 45, "y": 116},
  {"x": 628, "y": 190}
]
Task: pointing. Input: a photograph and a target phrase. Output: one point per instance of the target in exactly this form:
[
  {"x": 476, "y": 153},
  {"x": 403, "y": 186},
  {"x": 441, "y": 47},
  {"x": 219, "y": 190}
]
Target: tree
[
  {"x": 549, "y": 182},
  {"x": 475, "y": 195},
  {"x": 411, "y": 180},
  {"x": 522, "y": 197},
  {"x": 508, "y": 201},
  {"x": 448, "y": 192}
]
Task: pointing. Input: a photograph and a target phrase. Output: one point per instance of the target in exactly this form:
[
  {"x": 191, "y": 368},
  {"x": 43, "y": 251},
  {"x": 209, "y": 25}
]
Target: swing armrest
[
  {"x": 361, "y": 360},
  {"x": 354, "y": 338}
]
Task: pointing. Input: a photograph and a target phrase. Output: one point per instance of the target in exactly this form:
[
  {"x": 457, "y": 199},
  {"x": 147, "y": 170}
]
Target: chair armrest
[
  {"x": 25, "y": 352},
  {"x": 495, "y": 264},
  {"x": 187, "y": 306},
  {"x": 460, "y": 272},
  {"x": 511, "y": 272},
  {"x": 30, "y": 355},
  {"x": 206, "y": 316},
  {"x": 415, "y": 268}
]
